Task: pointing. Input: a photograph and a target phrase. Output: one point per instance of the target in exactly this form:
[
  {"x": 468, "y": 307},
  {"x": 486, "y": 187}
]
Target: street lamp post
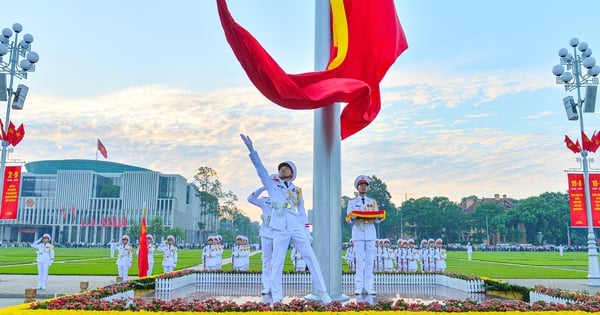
[
  {"x": 16, "y": 60},
  {"x": 574, "y": 81}
]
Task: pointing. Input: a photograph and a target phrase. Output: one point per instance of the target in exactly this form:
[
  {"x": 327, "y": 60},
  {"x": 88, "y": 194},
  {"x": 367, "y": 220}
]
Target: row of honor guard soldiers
[
  {"x": 429, "y": 257},
  {"x": 212, "y": 253}
]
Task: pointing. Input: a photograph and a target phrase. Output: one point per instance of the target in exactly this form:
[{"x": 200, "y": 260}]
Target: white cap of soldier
[
  {"x": 125, "y": 237},
  {"x": 292, "y": 167},
  {"x": 361, "y": 179},
  {"x": 48, "y": 236},
  {"x": 171, "y": 237},
  {"x": 239, "y": 237},
  {"x": 149, "y": 236}
]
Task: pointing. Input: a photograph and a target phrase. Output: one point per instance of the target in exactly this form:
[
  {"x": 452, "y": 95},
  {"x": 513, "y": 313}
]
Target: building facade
[{"x": 93, "y": 202}]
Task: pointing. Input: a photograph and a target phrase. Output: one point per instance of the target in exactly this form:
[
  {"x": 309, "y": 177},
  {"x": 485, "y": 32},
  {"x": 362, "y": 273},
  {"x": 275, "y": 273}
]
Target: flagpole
[
  {"x": 326, "y": 171},
  {"x": 589, "y": 79}
]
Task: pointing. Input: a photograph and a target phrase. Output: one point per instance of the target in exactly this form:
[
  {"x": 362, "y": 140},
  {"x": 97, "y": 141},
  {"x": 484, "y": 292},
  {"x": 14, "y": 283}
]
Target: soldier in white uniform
[
  {"x": 288, "y": 222},
  {"x": 297, "y": 261},
  {"x": 208, "y": 255},
  {"x": 266, "y": 235},
  {"x": 240, "y": 254},
  {"x": 412, "y": 255},
  {"x": 169, "y": 251},
  {"x": 151, "y": 248},
  {"x": 424, "y": 256},
  {"x": 45, "y": 258},
  {"x": 439, "y": 256},
  {"x": 113, "y": 248},
  {"x": 387, "y": 256},
  {"x": 124, "y": 258},
  {"x": 349, "y": 257},
  {"x": 431, "y": 255},
  {"x": 398, "y": 255},
  {"x": 363, "y": 235}
]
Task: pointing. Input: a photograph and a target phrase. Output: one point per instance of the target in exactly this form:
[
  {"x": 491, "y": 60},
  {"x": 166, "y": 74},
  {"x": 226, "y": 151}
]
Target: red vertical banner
[
  {"x": 577, "y": 199},
  {"x": 10, "y": 192},
  {"x": 595, "y": 192}
]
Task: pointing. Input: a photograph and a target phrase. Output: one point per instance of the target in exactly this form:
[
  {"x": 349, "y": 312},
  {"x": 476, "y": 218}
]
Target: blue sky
[{"x": 471, "y": 108}]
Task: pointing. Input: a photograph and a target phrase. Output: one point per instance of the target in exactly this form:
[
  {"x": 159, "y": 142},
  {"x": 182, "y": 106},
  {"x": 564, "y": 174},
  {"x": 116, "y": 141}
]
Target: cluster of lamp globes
[
  {"x": 24, "y": 45},
  {"x": 572, "y": 61}
]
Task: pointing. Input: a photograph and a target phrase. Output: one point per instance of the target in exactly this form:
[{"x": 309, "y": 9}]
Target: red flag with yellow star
[
  {"x": 143, "y": 252},
  {"x": 367, "y": 39}
]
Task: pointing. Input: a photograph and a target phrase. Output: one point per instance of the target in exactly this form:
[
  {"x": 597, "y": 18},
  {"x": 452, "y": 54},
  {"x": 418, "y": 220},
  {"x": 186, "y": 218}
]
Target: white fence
[
  {"x": 537, "y": 297},
  {"x": 385, "y": 279},
  {"x": 125, "y": 295}
]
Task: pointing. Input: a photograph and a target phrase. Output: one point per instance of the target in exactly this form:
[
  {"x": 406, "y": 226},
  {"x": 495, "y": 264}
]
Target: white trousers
[
  {"x": 364, "y": 251},
  {"x": 43, "y": 274},
  {"x": 281, "y": 242},
  {"x": 266, "y": 243},
  {"x": 168, "y": 268},
  {"x": 150, "y": 266},
  {"x": 124, "y": 272}
]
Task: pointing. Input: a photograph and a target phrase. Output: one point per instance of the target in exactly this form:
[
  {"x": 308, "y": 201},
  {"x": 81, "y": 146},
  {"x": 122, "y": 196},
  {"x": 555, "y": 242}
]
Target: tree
[
  {"x": 177, "y": 232},
  {"x": 156, "y": 228},
  {"x": 133, "y": 231}
]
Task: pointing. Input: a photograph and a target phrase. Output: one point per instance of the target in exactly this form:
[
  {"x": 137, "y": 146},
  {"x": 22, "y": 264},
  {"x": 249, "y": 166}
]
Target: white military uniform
[
  {"x": 266, "y": 236},
  {"x": 113, "y": 248},
  {"x": 124, "y": 258},
  {"x": 208, "y": 255},
  {"x": 387, "y": 257},
  {"x": 297, "y": 261},
  {"x": 439, "y": 256},
  {"x": 470, "y": 251},
  {"x": 288, "y": 223},
  {"x": 363, "y": 235},
  {"x": 349, "y": 257},
  {"x": 169, "y": 256},
  {"x": 424, "y": 256},
  {"x": 45, "y": 258},
  {"x": 241, "y": 256},
  {"x": 412, "y": 255}
]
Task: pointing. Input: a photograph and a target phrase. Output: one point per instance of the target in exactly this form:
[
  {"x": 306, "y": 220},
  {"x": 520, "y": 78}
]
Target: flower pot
[{"x": 30, "y": 295}]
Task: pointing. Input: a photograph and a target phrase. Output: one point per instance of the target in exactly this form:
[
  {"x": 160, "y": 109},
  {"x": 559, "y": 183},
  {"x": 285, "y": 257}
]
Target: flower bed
[{"x": 116, "y": 298}]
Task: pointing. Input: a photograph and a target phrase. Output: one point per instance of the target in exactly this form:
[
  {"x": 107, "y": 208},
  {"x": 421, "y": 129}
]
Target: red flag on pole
[
  {"x": 102, "y": 149},
  {"x": 64, "y": 213},
  {"x": 19, "y": 135},
  {"x": 367, "y": 39},
  {"x": 124, "y": 222},
  {"x": 73, "y": 211},
  {"x": 588, "y": 145},
  {"x": 572, "y": 146},
  {"x": 143, "y": 252}
]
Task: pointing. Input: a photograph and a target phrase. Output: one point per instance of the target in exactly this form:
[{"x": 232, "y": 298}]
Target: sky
[{"x": 471, "y": 108}]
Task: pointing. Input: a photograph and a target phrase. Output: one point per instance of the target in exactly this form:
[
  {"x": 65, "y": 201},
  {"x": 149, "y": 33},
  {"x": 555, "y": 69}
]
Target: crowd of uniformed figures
[
  {"x": 285, "y": 222},
  {"x": 430, "y": 256}
]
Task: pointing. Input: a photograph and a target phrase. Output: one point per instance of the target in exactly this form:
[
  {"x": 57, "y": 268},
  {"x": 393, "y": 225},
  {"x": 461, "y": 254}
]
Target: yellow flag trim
[{"x": 340, "y": 32}]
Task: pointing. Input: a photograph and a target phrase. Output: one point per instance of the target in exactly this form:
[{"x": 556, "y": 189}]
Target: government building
[{"x": 91, "y": 202}]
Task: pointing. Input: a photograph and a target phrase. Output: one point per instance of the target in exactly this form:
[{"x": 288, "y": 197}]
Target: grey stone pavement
[{"x": 12, "y": 287}]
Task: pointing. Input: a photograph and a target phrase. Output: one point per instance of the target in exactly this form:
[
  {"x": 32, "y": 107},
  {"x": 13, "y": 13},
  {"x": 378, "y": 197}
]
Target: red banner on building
[
  {"x": 577, "y": 199},
  {"x": 10, "y": 192}
]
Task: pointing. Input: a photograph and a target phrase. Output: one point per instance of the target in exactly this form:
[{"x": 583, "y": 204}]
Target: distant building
[
  {"x": 92, "y": 202},
  {"x": 468, "y": 205}
]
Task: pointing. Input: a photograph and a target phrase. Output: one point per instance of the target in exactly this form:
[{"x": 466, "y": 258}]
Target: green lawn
[{"x": 498, "y": 265}]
